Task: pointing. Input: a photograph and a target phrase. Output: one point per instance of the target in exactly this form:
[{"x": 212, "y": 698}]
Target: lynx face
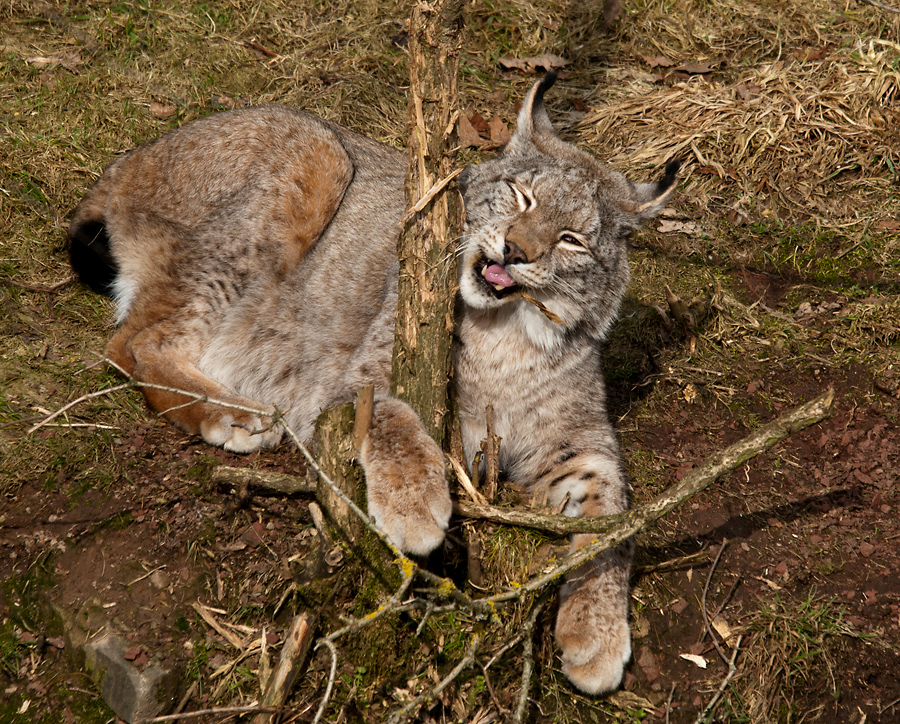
[{"x": 549, "y": 220}]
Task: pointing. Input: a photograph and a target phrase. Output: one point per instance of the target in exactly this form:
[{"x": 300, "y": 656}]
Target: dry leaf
[
  {"x": 738, "y": 217},
  {"x": 694, "y": 659},
  {"x": 657, "y": 61},
  {"x": 547, "y": 61},
  {"x": 887, "y": 225},
  {"x": 480, "y": 125},
  {"x": 468, "y": 136},
  {"x": 694, "y": 68},
  {"x": 580, "y": 105},
  {"x": 499, "y": 131},
  {"x": 747, "y": 90},
  {"x": 810, "y": 54},
  {"x": 70, "y": 61},
  {"x": 722, "y": 628},
  {"x": 162, "y": 112},
  {"x": 679, "y": 227},
  {"x": 628, "y": 701}
]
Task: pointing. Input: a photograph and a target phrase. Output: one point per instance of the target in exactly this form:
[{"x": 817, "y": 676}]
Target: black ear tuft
[
  {"x": 671, "y": 175},
  {"x": 545, "y": 85}
]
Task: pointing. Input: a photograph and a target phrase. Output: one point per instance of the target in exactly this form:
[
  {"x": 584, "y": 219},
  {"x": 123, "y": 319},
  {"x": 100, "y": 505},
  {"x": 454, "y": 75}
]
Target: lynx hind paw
[
  {"x": 241, "y": 433},
  {"x": 593, "y": 632},
  {"x": 406, "y": 488}
]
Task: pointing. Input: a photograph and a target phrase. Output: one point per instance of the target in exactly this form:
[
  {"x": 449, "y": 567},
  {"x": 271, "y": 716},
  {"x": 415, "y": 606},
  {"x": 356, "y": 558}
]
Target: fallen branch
[
  {"x": 699, "y": 479},
  {"x": 52, "y": 289},
  {"x": 528, "y": 657},
  {"x": 732, "y": 670},
  {"x": 881, "y": 6},
  {"x": 264, "y": 479},
  {"x": 290, "y": 662}
]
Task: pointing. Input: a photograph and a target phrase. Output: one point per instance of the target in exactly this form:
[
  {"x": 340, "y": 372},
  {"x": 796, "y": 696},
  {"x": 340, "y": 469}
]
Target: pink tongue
[{"x": 497, "y": 274}]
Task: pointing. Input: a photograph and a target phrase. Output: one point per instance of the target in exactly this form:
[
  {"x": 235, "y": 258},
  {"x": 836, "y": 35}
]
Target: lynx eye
[
  {"x": 570, "y": 241},
  {"x": 524, "y": 198}
]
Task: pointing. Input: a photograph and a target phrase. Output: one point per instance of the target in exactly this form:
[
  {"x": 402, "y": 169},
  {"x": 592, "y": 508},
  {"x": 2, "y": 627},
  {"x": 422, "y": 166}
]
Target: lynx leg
[
  {"x": 406, "y": 488},
  {"x": 164, "y": 354},
  {"x": 592, "y": 626}
]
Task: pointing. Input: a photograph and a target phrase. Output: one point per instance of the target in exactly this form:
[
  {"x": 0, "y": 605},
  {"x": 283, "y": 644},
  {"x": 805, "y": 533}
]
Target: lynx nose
[{"x": 513, "y": 254}]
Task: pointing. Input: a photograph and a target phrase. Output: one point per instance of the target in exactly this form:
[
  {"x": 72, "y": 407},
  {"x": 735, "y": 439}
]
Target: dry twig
[
  {"x": 403, "y": 714},
  {"x": 706, "y": 626},
  {"x": 528, "y": 656},
  {"x": 732, "y": 670}
]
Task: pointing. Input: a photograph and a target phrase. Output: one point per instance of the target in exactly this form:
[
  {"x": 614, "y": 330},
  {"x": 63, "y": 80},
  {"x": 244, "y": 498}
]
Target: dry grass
[{"x": 801, "y": 119}]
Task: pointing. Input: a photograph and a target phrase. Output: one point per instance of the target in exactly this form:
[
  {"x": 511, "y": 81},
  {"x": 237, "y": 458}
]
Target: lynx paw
[
  {"x": 240, "y": 432},
  {"x": 406, "y": 488},
  {"x": 592, "y": 631}
]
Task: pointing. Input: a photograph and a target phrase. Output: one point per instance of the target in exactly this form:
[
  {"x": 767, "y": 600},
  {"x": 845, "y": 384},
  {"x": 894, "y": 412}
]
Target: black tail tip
[
  {"x": 549, "y": 79},
  {"x": 671, "y": 174},
  {"x": 90, "y": 257}
]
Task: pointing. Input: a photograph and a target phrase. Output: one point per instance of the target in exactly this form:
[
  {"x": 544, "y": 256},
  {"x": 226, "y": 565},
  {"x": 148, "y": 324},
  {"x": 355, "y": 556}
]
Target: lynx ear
[
  {"x": 533, "y": 125},
  {"x": 649, "y": 199}
]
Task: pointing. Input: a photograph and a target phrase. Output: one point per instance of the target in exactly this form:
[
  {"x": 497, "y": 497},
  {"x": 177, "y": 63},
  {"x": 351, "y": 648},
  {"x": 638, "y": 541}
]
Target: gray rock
[{"x": 134, "y": 694}]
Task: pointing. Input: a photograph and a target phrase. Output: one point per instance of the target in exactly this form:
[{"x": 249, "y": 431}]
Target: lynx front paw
[
  {"x": 240, "y": 432},
  {"x": 406, "y": 488},
  {"x": 592, "y": 631}
]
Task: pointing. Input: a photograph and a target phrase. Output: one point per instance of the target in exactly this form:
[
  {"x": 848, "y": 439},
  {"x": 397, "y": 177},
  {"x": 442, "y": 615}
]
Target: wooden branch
[
  {"x": 365, "y": 403},
  {"x": 528, "y": 657},
  {"x": 490, "y": 448},
  {"x": 623, "y": 526},
  {"x": 264, "y": 479},
  {"x": 290, "y": 663},
  {"x": 715, "y": 467},
  {"x": 699, "y": 479},
  {"x": 881, "y": 6}
]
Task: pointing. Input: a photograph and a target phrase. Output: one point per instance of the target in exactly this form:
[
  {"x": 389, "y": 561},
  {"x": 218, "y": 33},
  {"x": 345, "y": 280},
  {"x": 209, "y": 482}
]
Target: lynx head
[{"x": 548, "y": 220}]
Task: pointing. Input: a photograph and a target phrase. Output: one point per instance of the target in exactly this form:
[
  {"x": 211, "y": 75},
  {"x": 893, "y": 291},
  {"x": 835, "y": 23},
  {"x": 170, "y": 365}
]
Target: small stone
[
  {"x": 781, "y": 568},
  {"x": 132, "y": 694},
  {"x": 866, "y": 549},
  {"x": 647, "y": 662},
  {"x": 679, "y": 606},
  {"x": 159, "y": 580}
]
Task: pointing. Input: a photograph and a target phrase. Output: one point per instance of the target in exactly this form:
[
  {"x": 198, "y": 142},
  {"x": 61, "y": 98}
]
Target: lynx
[{"x": 251, "y": 255}]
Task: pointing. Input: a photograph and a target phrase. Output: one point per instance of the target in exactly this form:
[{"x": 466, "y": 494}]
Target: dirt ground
[{"x": 782, "y": 241}]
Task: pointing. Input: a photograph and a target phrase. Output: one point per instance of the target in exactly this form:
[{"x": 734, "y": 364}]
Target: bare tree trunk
[
  {"x": 421, "y": 360},
  {"x": 421, "y": 363}
]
